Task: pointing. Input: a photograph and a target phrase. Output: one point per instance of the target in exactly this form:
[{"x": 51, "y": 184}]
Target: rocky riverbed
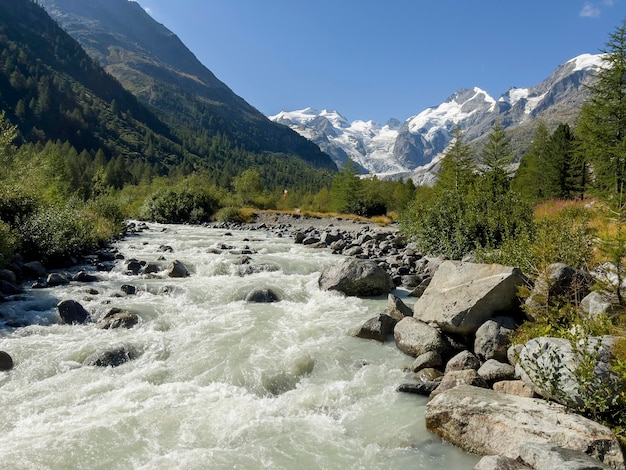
[
  {"x": 486, "y": 397},
  {"x": 456, "y": 332}
]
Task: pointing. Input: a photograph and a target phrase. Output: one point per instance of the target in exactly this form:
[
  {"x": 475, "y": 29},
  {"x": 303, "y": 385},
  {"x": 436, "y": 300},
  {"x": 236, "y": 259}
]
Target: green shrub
[
  {"x": 562, "y": 238},
  {"x": 53, "y": 232},
  {"x": 16, "y": 205},
  {"x": 230, "y": 215},
  {"x": 9, "y": 242},
  {"x": 180, "y": 205}
]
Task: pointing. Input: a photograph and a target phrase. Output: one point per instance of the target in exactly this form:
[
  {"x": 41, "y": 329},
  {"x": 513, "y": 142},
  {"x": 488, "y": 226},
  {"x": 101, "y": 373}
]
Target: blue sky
[{"x": 375, "y": 60}]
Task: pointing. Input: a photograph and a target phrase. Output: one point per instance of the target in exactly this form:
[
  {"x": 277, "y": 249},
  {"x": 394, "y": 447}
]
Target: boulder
[
  {"x": 111, "y": 357},
  {"x": 427, "y": 360},
  {"x": 421, "y": 288},
  {"x": 133, "y": 267},
  {"x": 492, "y": 338},
  {"x": 177, "y": 269},
  {"x": 71, "y": 312},
  {"x": 428, "y": 374},
  {"x": 397, "y": 309},
  {"x": 415, "y": 338},
  {"x": 499, "y": 462},
  {"x": 57, "y": 279},
  {"x": 485, "y": 422},
  {"x": 33, "y": 270},
  {"x": 328, "y": 238},
  {"x": 513, "y": 353},
  {"x": 424, "y": 388},
  {"x": 355, "y": 277},
  {"x": 82, "y": 276},
  {"x": 462, "y": 296},
  {"x": 459, "y": 377},
  {"x": 264, "y": 296},
  {"x": 542, "y": 456},
  {"x": 150, "y": 268},
  {"x": 8, "y": 288},
  {"x": 378, "y": 328},
  {"x": 514, "y": 387},
  {"x": 128, "y": 289},
  {"x": 249, "y": 269},
  {"x": 551, "y": 366},
  {"x": 495, "y": 371},
  {"x": 597, "y": 303},
  {"x": 462, "y": 361},
  {"x": 8, "y": 276},
  {"x": 117, "y": 318},
  {"x": 6, "y": 361}
]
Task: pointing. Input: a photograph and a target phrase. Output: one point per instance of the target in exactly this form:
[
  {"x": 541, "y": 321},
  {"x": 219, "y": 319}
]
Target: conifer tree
[
  {"x": 458, "y": 165},
  {"x": 528, "y": 180},
  {"x": 601, "y": 131},
  {"x": 497, "y": 153},
  {"x": 601, "y": 127}
]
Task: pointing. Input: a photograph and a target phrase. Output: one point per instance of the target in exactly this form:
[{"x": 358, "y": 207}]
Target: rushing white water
[{"x": 220, "y": 383}]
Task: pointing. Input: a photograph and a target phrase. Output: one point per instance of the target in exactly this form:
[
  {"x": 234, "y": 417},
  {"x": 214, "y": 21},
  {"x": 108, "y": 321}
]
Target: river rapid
[{"x": 219, "y": 383}]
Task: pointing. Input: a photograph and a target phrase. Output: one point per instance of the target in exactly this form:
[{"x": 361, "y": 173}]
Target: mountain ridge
[
  {"x": 154, "y": 64},
  {"x": 415, "y": 146}
]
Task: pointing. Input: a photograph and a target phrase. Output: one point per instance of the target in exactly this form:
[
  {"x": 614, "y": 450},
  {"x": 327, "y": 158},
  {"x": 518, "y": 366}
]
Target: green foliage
[
  {"x": 465, "y": 212},
  {"x": 53, "y": 232},
  {"x": 230, "y": 215},
  {"x": 180, "y": 205},
  {"x": 345, "y": 190},
  {"x": 248, "y": 186},
  {"x": 601, "y": 128},
  {"x": 497, "y": 153},
  {"x": 9, "y": 243},
  {"x": 458, "y": 167},
  {"x": 563, "y": 238}
]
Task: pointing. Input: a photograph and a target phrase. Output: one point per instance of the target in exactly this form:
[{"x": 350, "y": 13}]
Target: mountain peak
[
  {"x": 421, "y": 140},
  {"x": 587, "y": 61}
]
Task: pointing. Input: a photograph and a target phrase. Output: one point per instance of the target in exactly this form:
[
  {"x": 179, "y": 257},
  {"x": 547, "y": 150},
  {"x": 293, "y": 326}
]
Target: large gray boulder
[
  {"x": 558, "y": 371},
  {"x": 459, "y": 377},
  {"x": 462, "y": 296},
  {"x": 499, "y": 462},
  {"x": 485, "y": 422},
  {"x": 177, "y": 269},
  {"x": 415, "y": 338},
  {"x": 397, "y": 309},
  {"x": 492, "y": 339},
  {"x": 378, "y": 328},
  {"x": 356, "y": 277},
  {"x": 551, "y": 457}
]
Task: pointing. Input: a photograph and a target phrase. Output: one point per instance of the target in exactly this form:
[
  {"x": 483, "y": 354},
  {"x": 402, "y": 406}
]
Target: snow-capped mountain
[
  {"x": 415, "y": 146},
  {"x": 368, "y": 144}
]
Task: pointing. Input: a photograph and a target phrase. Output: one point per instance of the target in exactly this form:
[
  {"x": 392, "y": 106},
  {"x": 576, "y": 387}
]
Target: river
[{"x": 220, "y": 383}]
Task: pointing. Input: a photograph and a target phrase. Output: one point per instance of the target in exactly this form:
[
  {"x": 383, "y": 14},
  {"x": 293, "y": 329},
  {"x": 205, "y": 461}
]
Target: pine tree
[
  {"x": 601, "y": 127},
  {"x": 601, "y": 131},
  {"x": 458, "y": 165},
  {"x": 346, "y": 189},
  {"x": 497, "y": 153},
  {"x": 528, "y": 180}
]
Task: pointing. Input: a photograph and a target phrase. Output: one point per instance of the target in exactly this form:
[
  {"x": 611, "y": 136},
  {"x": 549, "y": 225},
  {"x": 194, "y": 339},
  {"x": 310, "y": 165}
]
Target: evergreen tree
[
  {"x": 601, "y": 127},
  {"x": 562, "y": 173},
  {"x": 497, "y": 153},
  {"x": 528, "y": 180},
  {"x": 345, "y": 190},
  {"x": 458, "y": 165},
  {"x": 601, "y": 131}
]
